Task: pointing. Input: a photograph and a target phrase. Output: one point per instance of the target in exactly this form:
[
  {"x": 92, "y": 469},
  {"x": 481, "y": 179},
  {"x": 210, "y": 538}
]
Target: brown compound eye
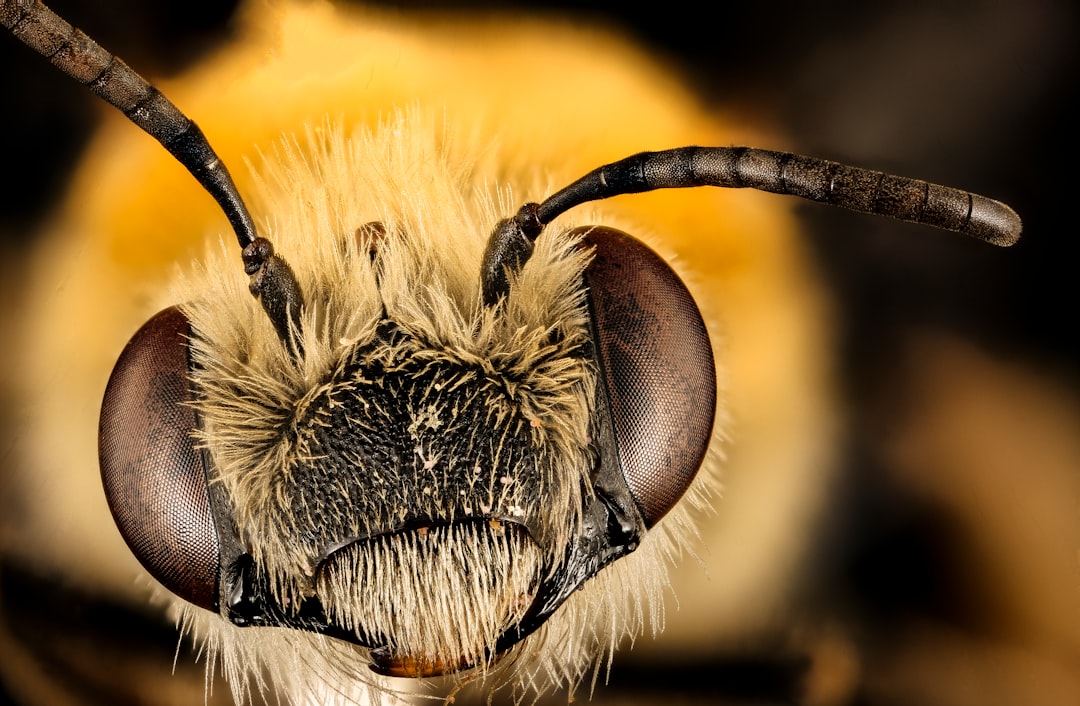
[
  {"x": 154, "y": 477},
  {"x": 656, "y": 363}
]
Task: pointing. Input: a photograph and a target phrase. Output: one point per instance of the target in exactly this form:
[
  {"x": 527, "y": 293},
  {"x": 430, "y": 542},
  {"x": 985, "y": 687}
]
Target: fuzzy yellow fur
[
  {"x": 300, "y": 96},
  {"x": 424, "y": 279}
]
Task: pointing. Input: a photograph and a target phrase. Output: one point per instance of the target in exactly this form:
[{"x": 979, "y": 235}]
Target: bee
[{"x": 450, "y": 437}]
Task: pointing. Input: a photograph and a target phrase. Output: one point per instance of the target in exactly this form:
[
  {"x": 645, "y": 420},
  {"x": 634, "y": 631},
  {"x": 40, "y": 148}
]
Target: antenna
[
  {"x": 83, "y": 59},
  {"x": 853, "y": 188}
]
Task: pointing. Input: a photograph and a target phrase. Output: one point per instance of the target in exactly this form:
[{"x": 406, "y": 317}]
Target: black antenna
[
  {"x": 852, "y": 188},
  {"x": 83, "y": 59}
]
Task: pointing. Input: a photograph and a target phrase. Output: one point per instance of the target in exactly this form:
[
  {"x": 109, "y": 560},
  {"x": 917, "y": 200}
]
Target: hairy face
[
  {"x": 418, "y": 465},
  {"x": 412, "y": 475}
]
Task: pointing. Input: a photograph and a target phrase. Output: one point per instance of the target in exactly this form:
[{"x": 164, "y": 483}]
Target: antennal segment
[
  {"x": 853, "y": 188},
  {"x": 83, "y": 59}
]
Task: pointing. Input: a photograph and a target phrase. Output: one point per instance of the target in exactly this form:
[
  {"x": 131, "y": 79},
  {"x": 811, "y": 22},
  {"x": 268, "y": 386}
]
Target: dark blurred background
[{"x": 978, "y": 94}]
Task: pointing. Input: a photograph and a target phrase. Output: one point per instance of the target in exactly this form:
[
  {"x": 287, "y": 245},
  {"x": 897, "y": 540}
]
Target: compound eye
[
  {"x": 154, "y": 477},
  {"x": 656, "y": 362}
]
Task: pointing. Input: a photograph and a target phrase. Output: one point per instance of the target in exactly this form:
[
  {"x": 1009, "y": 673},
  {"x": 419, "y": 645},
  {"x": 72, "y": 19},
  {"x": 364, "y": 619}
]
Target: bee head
[
  {"x": 430, "y": 468},
  {"x": 429, "y": 485}
]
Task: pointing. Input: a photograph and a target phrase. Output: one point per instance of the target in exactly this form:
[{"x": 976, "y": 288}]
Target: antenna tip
[{"x": 994, "y": 222}]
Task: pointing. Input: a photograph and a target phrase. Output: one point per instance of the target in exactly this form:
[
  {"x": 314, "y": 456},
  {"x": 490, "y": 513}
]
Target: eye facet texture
[
  {"x": 657, "y": 364},
  {"x": 154, "y": 477}
]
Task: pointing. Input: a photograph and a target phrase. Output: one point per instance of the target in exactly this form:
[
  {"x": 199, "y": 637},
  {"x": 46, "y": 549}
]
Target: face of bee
[{"x": 417, "y": 473}]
